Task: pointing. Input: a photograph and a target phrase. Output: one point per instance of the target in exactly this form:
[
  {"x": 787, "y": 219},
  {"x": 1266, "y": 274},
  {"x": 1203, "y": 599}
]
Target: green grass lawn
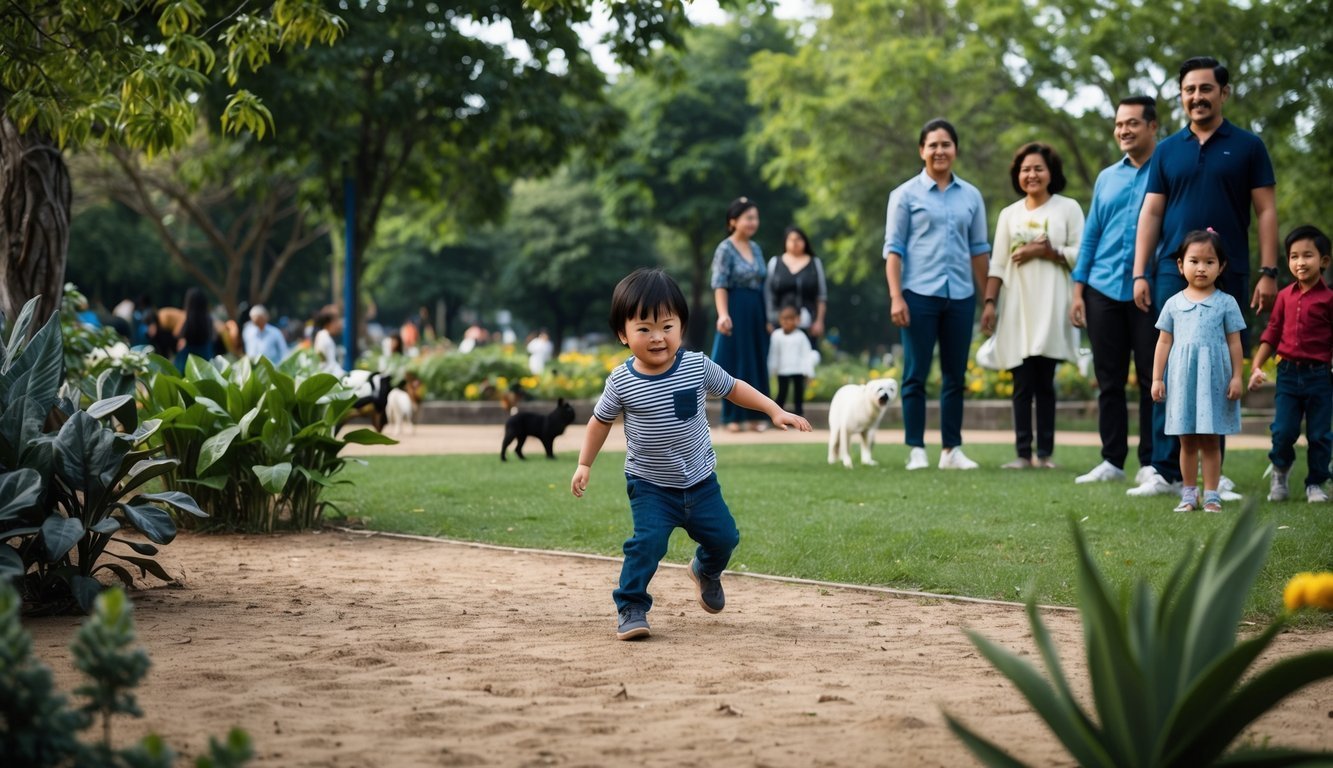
[{"x": 986, "y": 533}]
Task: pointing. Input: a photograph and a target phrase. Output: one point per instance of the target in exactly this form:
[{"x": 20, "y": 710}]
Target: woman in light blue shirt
[{"x": 936, "y": 255}]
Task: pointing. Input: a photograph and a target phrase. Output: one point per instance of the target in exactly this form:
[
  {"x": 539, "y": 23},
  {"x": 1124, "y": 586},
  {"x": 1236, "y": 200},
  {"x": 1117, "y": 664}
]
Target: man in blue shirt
[
  {"x": 1208, "y": 174},
  {"x": 262, "y": 339},
  {"x": 1104, "y": 293}
]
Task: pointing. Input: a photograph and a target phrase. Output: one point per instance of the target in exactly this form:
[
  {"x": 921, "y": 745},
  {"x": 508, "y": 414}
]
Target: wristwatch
[{"x": 1268, "y": 272}]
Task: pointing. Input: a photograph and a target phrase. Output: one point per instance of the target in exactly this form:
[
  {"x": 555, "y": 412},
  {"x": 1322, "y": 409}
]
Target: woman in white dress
[{"x": 1028, "y": 294}]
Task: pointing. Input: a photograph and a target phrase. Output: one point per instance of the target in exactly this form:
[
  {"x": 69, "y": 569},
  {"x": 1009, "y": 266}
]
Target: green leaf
[
  {"x": 215, "y": 447},
  {"x": 88, "y": 456},
  {"x": 986, "y": 751},
  {"x": 1253, "y": 699},
  {"x": 86, "y": 591},
  {"x": 273, "y": 478},
  {"x": 315, "y": 477},
  {"x": 60, "y": 534},
  {"x": 20, "y": 491},
  {"x": 103, "y": 408},
  {"x": 315, "y": 387},
  {"x": 277, "y": 436},
  {"x": 182, "y": 501},
  {"x": 365, "y": 436},
  {"x": 1062, "y": 714},
  {"x": 146, "y": 566},
  {"x": 248, "y": 419},
  {"x": 146, "y": 470},
  {"x": 153, "y": 522},
  {"x": 121, "y": 573},
  {"x": 39, "y": 370},
  {"x": 11, "y": 562},
  {"x": 106, "y": 526},
  {"x": 18, "y": 335},
  {"x": 138, "y": 546},
  {"x": 216, "y": 482}
]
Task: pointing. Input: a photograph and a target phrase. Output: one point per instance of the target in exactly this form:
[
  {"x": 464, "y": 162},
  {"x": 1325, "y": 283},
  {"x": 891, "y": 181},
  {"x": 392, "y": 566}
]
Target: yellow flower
[
  {"x": 471, "y": 391},
  {"x": 977, "y": 386},
  {"x": 529, "y": 382},
  {"x": 1314, "y": 590},
  {"x": 501, "y": 382}
]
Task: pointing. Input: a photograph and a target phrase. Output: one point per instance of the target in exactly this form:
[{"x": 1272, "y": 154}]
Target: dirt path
[{"x": 337, "y": 649}]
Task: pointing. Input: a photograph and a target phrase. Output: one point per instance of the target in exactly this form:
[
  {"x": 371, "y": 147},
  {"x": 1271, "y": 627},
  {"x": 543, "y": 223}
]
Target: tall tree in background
[
  {"x": 687, "y": 152},
  {"x": 228, "y": 211},
  {"x": 117, "y": 72},
  {"x": 419, "y": 107}
]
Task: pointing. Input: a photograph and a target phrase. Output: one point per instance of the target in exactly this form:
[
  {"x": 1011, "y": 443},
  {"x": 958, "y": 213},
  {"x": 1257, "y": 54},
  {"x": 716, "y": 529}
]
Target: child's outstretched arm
[
  {"x": 1261, "y": 355},
  {"x": 593, "y": 439},
  {"x": 1234, "y": 387},
  {"x": 1159, "y": 357},
  {"x": 746, "y": 396}
]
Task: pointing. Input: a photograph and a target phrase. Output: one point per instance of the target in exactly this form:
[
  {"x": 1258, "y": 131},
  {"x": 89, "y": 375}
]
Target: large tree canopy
[{"x": 125, "y": 72}]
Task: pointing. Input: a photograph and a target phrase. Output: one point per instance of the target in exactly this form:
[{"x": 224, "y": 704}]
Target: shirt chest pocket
[
  {"x": 685, "y": 402},
  {"x": 921, "y": 217}
]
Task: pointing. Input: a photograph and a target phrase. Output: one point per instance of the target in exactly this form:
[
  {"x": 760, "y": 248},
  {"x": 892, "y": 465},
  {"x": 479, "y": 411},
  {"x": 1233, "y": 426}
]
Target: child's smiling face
[
  {"x": 653, "y": 340},
  {"x": 1305, "y": 262}
]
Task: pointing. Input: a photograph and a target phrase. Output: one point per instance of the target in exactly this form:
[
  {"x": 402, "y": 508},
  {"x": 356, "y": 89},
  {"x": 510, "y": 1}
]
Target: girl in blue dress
[
  {"x": 1197, "y": 366},
  {"x": 741, "y": 344}
]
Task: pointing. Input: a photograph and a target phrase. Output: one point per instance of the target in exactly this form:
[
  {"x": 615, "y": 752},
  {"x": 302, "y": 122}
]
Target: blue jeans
[
  {"x": 1166, "y": 448},
  {"x": 948, "y": 321},
  {"x": 1303, "y": 389},
  {"x": 659, "y": 511}
]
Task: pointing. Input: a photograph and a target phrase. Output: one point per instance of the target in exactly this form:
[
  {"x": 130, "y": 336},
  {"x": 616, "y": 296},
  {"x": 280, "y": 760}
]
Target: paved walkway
[{"x": 431, "y": 439}]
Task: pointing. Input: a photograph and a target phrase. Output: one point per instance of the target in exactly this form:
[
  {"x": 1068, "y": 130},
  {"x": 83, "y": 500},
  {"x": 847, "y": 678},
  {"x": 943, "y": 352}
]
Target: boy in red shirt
[{"x": 1300, "y": 330}]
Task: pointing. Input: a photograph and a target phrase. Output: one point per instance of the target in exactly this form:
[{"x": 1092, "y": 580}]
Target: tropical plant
[
  {"x": 257, "y": 443},
  {"x": 39, "y": 727},
  {"x": 1165, "y": 670},
  {"x": 69, "y": 480}
]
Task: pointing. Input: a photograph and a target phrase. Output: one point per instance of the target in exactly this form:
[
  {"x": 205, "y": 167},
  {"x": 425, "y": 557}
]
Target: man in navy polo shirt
[{"x": 1208, "y": 174}]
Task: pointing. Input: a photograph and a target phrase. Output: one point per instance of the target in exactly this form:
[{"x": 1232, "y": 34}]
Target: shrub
[
  {"x": 1166, "y": 671},
  {"x": 69, "y": 481},
  {"x": 256, "y": 444},
  {"x": 39, "y": 727}
]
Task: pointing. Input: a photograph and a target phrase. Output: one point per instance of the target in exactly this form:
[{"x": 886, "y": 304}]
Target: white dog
[
  {"x": 401, "y": 407},
  {"x": 856, "y": 410}
]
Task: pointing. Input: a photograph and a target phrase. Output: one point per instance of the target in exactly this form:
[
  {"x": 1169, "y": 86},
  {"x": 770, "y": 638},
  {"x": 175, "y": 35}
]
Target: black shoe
[
  {"x": 711, "y": 596},
  {"x": 633, "y": 623}
]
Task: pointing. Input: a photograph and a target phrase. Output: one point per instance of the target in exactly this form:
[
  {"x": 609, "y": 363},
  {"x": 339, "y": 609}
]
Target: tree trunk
[{"x": 34, "y": 222}]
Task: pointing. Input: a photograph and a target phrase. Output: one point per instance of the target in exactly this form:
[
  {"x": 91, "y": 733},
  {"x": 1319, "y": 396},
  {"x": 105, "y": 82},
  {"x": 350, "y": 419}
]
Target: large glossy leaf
[
  {"x": 142, "y": 433},
  {"x": 144, "y": 471},
  {"x": 216, "y": 482},
  {"x": 198, "y": 370},
  {"x": 216, "y": 408},
  {"x": 315, "y": 477},
  {"x": 19, "y": 492},
  {"x": 152, "y": 521},
  {"x": 88, "y": 456},
  {"x": 246, "y": 422},
  {"x": 277, "y": 436},
  {"x": 182, "y": 501},
  {"x": 119, "y": 570},
  {"x": 112, "y": 383},
  {"x": 138, "y": 546},
  {"x": 85, "y": 589},
  {"x": 146, "y": 566},
  {"x": 59, "y": 535},
  {"x": 19, "y": 426},
  {"x": 273, "y": 478},
  {"x": 215, "y": 447},
  {"x": 106, "y": 526},
  {"x": 39, "y": 370},
  {"x": 368, "y": 437},
  {"x": 103, "y": 408},
  {"x": 11, "y": 563},
  {"x": 18, "y": 335},
  {"x": 315, "y": 387}
]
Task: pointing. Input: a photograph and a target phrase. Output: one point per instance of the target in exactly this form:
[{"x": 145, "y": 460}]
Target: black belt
[{"x": 1303, "y": 363}]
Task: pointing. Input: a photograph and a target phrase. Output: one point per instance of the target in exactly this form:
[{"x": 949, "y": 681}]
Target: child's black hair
[
  {"x": 1308, "y": 232},
  {"x": 1203, "y": 236},
  {"x": 647, "y": 292}
]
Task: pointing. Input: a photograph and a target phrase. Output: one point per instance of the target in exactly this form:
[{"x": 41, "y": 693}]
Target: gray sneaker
[
  {"x": 633, "y": 623},
  {"x": 1315, "y": 494},
  {"x": 1277, "y": 485},
  {"x": 711, "y": 596}
]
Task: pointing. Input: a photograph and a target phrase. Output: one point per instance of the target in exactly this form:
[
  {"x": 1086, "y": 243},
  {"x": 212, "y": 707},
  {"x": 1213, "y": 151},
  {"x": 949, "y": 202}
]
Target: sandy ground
[{"x": 338, "y": 649}]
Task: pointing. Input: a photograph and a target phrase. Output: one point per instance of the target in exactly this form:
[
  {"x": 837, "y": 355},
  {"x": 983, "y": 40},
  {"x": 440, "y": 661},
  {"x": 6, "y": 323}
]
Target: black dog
[{"x": 545, "y": 428}]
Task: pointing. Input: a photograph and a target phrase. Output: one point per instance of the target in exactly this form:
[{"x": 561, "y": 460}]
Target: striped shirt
[{"x": 666, "y": 427}]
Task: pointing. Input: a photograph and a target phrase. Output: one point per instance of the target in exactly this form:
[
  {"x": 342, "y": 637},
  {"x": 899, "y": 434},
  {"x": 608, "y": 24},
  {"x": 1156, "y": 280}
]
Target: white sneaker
[
  {"x": 1152, "y": 485},
  {"x": 917, "y": 459},
  {"x": 1315, "y": 494},
  {"x": 1102, "y": 473},
  {"x": 955, "y": 459},
  {"x": 1143, "y": 474},
  {"x": 1277, "y": 485},
  {"x": 1226, "y": 488}
]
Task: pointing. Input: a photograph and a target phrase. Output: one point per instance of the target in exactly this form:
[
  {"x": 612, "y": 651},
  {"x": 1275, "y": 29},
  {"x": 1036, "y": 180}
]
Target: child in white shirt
[{"x": 790, "y": 358}]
